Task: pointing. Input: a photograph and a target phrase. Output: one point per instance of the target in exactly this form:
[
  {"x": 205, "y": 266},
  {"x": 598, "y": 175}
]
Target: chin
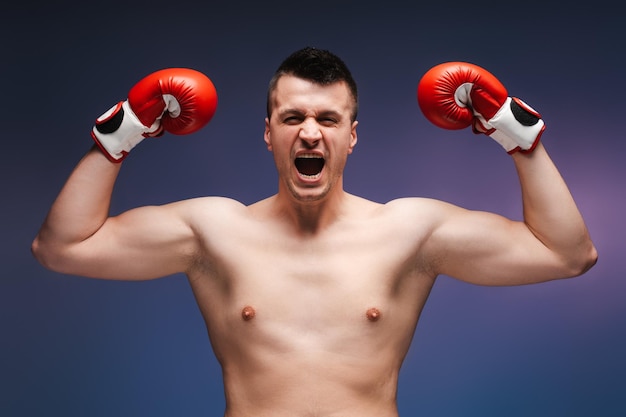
[{"x": 309, "y": 195}]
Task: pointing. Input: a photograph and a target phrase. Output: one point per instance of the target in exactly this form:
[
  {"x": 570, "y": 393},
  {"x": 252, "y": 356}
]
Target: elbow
[
  {"x": 592, "y": 258},
  {"x": 586, "y": 258},
  {"x": 46, "y": 254},
  {"x": 39, "y": 252}
]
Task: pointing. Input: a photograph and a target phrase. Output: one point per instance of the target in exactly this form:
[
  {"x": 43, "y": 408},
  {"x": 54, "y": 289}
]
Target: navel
[
  {"x": 247, "y": 313},
  {"x": 373, "y": 314}
]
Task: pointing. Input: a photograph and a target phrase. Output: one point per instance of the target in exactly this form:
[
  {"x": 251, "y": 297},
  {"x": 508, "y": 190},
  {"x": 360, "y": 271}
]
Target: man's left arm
[{"x": 552, "y": 241}]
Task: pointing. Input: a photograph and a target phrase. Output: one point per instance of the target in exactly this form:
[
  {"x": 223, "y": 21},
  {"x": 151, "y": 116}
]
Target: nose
[{"x": 310, "y": 132}]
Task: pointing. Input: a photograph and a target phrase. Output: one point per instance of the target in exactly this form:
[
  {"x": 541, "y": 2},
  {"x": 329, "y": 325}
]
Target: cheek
[
  {"x": 349, "y": 144},
  {"x": 281, "y": 152}
]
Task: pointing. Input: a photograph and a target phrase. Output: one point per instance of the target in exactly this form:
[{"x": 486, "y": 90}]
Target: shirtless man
[{"x": 311, "y": 296}]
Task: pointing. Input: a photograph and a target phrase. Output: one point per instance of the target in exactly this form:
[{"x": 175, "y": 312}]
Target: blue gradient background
[{"x": 80, "y": 347}]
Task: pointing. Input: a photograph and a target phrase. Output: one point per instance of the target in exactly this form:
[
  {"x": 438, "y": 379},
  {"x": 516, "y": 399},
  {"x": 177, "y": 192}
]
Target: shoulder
[
  {"x": 207, "y": 210},
  {"x": 419, "y": 216},
  {"x": 425, "y": 208},
  {"x": 212, "y": 204}
]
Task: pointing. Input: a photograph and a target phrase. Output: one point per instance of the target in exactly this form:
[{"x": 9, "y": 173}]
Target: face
[{"x": 311, "y": 134}]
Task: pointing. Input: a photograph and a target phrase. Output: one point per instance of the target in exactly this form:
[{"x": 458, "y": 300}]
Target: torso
[{"x": 310, "y": 325}]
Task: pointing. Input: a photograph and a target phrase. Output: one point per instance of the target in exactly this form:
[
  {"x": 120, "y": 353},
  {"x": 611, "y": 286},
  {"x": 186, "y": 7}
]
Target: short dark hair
[{"x": 316, "y": 65}]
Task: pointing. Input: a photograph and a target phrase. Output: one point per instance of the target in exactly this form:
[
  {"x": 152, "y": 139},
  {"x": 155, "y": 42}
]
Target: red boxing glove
[
  {"x": 176, "y": 100},
  {"x": 455, "y": 95}
]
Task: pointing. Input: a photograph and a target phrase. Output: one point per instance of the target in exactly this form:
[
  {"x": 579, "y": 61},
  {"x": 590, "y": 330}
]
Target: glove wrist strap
[
  {"x": 516, "y": 126},
  {"x": 119, "y": 130}
]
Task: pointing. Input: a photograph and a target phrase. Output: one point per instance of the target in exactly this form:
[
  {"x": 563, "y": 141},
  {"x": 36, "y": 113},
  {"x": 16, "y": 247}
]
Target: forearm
[
  {"x": 550, "y": 211},
  {"x": 81, "y": 207}
]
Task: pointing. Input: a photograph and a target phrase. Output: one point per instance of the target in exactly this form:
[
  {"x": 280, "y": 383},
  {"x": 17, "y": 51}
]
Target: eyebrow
[{"x": 324, "y": 113}]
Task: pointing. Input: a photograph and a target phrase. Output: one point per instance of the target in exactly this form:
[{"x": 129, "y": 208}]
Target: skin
[{"x": 311, "y": 296}]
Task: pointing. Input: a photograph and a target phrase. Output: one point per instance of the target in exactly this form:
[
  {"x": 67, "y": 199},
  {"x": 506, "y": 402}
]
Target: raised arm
[
  {"x": 78, "y": 235},
  {"x": 552, "y": 241}
]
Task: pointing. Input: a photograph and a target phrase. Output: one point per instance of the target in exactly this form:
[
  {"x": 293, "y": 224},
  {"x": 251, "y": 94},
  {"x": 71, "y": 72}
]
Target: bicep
[
  {"x": 488, "y": 249},
  {"x": 142, "y": 243}
]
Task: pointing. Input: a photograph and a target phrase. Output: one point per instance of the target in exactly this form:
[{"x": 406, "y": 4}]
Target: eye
[
  {"x": 328, "y": 121},
  {"x": 292, "y": 120},
  {"x": 329, "y": 118}
]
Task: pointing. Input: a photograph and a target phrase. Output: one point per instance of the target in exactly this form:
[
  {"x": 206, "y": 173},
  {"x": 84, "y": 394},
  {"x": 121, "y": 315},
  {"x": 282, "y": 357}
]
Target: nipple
[
  {"x": 247, "y": 313},
  {"x": 373, "y": 314}
]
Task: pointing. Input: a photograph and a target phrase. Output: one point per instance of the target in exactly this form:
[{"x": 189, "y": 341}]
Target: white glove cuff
[
  {"x": 517, "y": 126},
  {"x": 119, "y": 130}
]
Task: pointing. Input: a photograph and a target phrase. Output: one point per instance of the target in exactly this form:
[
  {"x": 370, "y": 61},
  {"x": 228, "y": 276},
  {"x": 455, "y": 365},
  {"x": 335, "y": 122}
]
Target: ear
[
  {"x": 353, "y": 137},
  {"x": 266, "y": 135}
]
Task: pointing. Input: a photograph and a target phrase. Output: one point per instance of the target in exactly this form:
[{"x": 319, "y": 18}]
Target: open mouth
[{"x": 309, "y": 165}]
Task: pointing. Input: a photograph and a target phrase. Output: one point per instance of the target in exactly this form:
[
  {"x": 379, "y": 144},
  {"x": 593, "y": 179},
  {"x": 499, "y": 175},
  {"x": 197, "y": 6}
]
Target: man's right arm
[{"x": 79, "y": 236}]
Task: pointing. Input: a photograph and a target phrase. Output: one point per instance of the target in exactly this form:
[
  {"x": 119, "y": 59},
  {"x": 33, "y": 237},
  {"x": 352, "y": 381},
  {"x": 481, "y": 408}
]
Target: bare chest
[{"x": 334, "y": 288}]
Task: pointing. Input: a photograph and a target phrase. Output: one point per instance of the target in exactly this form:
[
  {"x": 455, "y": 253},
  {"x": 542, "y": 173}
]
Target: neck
[{"x": 310, "y": 217}]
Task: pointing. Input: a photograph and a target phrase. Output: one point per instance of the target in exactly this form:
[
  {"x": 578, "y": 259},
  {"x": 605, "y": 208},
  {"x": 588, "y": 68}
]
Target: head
[
  {"x": 318, "y": 66},
  {"x": 311, "y": 123}
]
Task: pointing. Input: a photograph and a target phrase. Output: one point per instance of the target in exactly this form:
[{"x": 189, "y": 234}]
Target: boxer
[{"x": 311, "y": 296}]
